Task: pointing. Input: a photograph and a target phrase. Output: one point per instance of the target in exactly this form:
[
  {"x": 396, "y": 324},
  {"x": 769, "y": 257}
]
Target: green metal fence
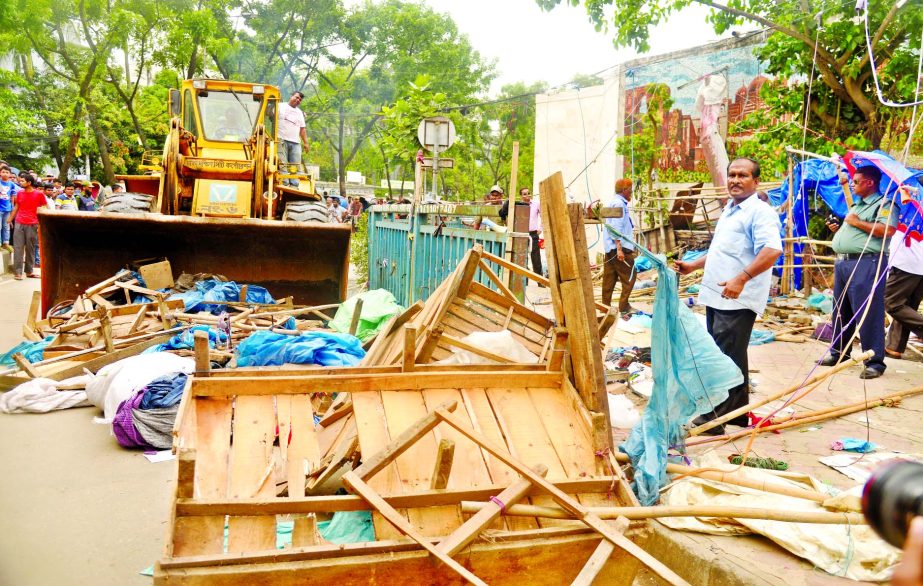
[{"x": 413, "y": 249}]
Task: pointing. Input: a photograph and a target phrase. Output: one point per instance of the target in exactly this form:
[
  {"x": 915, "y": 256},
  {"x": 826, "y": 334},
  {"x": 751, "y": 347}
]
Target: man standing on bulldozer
[{"x": 292, "y": 135}]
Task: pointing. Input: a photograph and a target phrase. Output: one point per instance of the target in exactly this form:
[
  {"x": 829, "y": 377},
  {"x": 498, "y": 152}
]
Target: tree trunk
[
  {"x": 108, "y": 173},
  {"x": 71, "y": 152},
  {"x": 341, "y": 157}
]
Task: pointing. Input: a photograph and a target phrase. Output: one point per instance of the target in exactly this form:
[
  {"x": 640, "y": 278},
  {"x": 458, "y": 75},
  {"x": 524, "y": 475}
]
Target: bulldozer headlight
[
  {"x": 199, "y": 84},
  {"x": 259, "y": 90}
]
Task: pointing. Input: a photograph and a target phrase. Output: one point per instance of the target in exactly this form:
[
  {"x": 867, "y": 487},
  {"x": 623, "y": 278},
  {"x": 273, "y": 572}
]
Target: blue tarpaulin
[
  {"x": 265, "y": 348},
  {"x": 691, "y": 377},
  {"x": 31, "y": 351},
  {"x": 185, "y": 340},
  {"x": 212, "y": 295}
]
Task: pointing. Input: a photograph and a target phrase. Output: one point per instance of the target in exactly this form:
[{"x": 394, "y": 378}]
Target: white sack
[
  {"x": 40, "y": 395},
  {"x": 501, "y": 343},
  {"x": 121, "y": 380}
]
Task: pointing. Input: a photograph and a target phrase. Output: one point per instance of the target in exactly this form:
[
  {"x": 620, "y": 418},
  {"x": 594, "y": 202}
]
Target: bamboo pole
[
  {"x": 511, "y": 210},
  {"x": 789, "y": 247},
  {"x": 821, "y": 416},
  {"x": 738, "y": 480},
  {"x": 792, "y": 389},
  {"x": 658, "y": 512}
]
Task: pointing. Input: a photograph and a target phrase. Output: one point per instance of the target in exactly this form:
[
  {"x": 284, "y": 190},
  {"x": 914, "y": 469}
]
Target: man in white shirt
[
  {"x": 903, "y": 292},
  {"x": 291, "y": 133}
]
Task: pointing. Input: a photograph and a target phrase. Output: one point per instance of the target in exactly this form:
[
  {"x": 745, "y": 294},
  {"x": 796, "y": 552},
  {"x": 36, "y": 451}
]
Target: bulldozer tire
[
  {"x": 128, "y": 203},
  {"x": 305, "y": 211}
]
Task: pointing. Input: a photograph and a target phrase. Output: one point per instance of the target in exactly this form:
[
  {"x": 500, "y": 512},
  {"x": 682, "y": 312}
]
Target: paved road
[{"x": 75, "y": 508}]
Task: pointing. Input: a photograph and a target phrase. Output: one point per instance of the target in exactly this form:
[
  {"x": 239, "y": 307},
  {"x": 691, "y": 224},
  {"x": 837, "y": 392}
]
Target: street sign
[
  {"x": 427, "y": 163},
  {"x": 436, "y": 133}
]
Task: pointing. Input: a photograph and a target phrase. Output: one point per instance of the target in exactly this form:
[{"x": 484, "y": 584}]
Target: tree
[
  {"x": 834, "y": 45},
  {"x": 642, "y": 144}
]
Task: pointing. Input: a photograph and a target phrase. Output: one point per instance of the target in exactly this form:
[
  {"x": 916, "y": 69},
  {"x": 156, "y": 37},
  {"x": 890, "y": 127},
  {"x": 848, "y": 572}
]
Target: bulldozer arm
[{"x": 309, "y": 262}]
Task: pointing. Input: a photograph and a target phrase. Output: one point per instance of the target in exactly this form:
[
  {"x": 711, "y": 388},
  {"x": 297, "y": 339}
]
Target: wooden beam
[
  {"x": 336, "y": 412},
  {"x": 34, "y": 307},
  {"x": 596, "y": 562},
  {"x": 415, "y": 381},
  {"x": 357, "y": 314},
  {"x": 410, "y": 348},
  {"x": 375, "y": 462},
  {"x": 492, "y": 276},
  {"x": 189, "y": 507},
  {"x": 443, "y": 467},
  {"x": 92, "y": 290},
  {"x": 202, "y": 360},
  {"x": 25, "y": 365},
  {"x": 355, "y": 483},
  {"x": 467, "y": 533},
  {"x": 105, "y": 326},
  {"x": 565, "y": 501}
]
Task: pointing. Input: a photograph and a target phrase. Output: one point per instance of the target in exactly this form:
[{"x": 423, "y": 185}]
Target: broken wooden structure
[{"x": 412, "y": 439}]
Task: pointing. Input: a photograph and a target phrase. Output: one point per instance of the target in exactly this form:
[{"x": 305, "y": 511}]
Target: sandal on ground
[
  {"x": 34, "y": 276},
  {"x": 18, "y": 277},
  {"x": 893, "y": 353}
]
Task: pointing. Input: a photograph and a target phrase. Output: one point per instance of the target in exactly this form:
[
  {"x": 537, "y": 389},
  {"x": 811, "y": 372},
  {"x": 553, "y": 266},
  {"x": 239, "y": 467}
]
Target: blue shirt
[
  {"x": 741, "y": 233},
  {"x": 621, "y": 225},
  {"x": 7, "y": 190}
]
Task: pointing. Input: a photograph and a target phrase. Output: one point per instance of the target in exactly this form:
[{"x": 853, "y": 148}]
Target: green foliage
[
  {"x": 359, "y": 249},
  {"x": 833, "y": 51}
]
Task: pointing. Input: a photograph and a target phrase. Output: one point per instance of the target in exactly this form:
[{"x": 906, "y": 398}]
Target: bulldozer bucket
[{"x": 309, "y": 262}]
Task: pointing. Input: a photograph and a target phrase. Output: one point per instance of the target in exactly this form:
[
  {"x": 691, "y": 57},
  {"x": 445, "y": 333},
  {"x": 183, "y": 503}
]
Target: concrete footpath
[{"x": 76, "y": 508}]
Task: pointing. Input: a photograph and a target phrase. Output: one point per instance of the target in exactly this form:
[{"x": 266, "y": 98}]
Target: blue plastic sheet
[
  {"x": 693, "y": 255},
  {"x": 185, "y": 340},
  {"x": 265, "y": 348},
  {"x": 212, "y": 295},
  {"x": 760, "y": 337},
  {"x": 642, "y": 263},
  {"x": 691, "y": 377},
  {"x": 31, "y": 351},
  {"x": 348, "y": 527}
]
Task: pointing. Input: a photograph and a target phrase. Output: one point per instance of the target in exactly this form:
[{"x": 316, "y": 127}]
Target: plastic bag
[
  {"x": 378, "y": 306},
  {"x": 212, "y": 295},
  {"x": 120, "y": 380},
  {"x": 265, "y": 348},
  {"x": 691, "y": 376}
]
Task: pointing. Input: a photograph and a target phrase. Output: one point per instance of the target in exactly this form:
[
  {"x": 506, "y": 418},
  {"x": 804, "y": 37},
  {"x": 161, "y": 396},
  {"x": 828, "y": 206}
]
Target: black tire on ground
[
  {"x": 305, "y": 211},
  {"x": 129, "y": 203}
]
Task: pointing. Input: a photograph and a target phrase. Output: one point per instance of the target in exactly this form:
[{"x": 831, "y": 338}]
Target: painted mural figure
[{"x": 709, "y": 102}]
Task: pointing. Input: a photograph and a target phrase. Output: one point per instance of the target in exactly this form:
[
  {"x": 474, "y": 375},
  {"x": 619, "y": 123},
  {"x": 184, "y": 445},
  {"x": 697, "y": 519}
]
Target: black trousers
[
  {"x": 903, "y": 293},
  {"x": 624, "y": 272},
  {"x": 536, "y": 253},
  {"x": 731, "y": 329}
]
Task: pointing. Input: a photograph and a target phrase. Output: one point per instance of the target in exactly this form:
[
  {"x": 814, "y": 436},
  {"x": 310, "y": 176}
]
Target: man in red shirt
[{"x": 25, "y": 236}]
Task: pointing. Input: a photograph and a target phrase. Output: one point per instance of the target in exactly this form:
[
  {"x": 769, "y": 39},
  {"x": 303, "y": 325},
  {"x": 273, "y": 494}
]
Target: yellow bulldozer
[{"x": 217, "y": 200}]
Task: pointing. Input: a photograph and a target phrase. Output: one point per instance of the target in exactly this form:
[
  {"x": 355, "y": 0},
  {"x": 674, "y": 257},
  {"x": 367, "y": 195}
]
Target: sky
[{"x": 531, "y": 45}]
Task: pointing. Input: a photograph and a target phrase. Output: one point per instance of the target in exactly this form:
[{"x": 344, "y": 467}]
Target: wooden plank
[
  {"x": 105, "y": 326},
  {"x": 336, "y": 412},
  {"x": 187, "y": 507},
  {"x": 526, "y": 437},
  {"x": 444, "y": 459},
  {"x": 357, "y": 315},
  {"x": 497, "y": 281},
  {"x": 251, "y": 466},
  {"x": 157, "y": 275},
  {"x": 595, "y": 564},
  {"x": 29, "y": 334},
  {"x": 35, "y": 306},
  {"x": 373, "y": 433},
  {"x": 303, "y": 451},
  {"x": 193, "y": 536},
  {"x": 410, "y": 349},
  {"x": 416, "y": 458},
  {"x": 136, "y": 322},
  {"x": 92, "y": 290},
  {"x": 583, "y": 353},
  {"x": 203, "y": 363},
  {"x": 304, "y": 531},
  {"x": 359, "y": 383},
  {"x": 356, "y": 484},
  {"x": 497, "y": 302},
  {"x": 558, "y": 228},
  {"x": 25, "y": 365},
  {"x": 568, "y": 503},
  {"x": 467, "y": 533}
]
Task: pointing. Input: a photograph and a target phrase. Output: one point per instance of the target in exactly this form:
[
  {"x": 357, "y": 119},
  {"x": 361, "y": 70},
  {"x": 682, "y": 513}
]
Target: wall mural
[{"x": 710, "y": 91}]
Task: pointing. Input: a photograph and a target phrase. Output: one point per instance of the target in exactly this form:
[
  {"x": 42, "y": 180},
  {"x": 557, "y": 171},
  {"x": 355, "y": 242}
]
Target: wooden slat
[
  {"x": 526, "y": 437},
  {"x": 251, "y": 467},
  {"x": 303, "y": 452},
  {"x": 373, "y": 435},
  {"x": 205, "y": 535},
  {"x": 415, "y": 465},
  {"x": 359, "y": 383}
]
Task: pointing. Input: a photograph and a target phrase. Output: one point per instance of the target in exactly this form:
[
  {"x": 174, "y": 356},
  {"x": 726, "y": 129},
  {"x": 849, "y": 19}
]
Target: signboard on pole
[{"x": 436, "y": 134}]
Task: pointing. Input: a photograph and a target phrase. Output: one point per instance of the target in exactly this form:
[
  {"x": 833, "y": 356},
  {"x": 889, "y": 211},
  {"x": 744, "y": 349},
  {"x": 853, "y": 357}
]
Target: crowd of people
[{"x": 22, "y": 194}]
